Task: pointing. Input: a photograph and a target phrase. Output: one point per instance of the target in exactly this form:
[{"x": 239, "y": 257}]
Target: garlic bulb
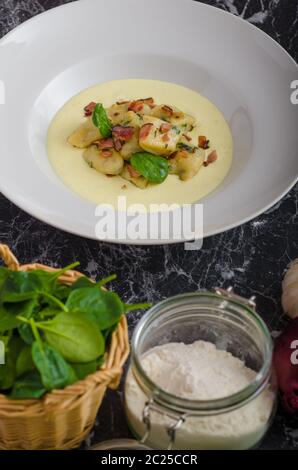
[{"x": 289, "y": 298}]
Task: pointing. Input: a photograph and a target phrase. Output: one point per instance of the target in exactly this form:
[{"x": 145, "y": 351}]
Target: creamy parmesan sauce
[{"x": 71, "y": 168}]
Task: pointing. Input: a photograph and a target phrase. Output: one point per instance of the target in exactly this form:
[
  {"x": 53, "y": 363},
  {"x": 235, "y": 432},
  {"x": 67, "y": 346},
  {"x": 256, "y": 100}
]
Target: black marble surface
[{"x": 252, "y": 257}]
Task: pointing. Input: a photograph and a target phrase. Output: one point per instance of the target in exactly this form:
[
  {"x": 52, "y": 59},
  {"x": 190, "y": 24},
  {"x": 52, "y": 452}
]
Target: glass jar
[
  {"x": 239, "y": 421},
  {"x": 119, "y": 444}
]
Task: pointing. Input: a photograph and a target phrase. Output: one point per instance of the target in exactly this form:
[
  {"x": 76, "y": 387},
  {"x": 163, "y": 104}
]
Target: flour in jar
[{"x": 200, "y": 371}]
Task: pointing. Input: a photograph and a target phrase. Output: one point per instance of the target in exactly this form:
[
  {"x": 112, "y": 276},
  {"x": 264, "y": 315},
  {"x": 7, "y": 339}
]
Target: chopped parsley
[
  {"x": 186, "y": 147},
  {"x": 176, "y": 129}
]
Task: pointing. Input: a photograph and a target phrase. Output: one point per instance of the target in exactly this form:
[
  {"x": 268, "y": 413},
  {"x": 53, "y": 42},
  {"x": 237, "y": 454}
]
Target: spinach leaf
[
  {"x": 14, "y": 347},
  {"x": 4, "y": 272},
  {"x": 82, "y": 282},
  {"x": 28, "y": 386},
  {"x": 82, "y": 370},
  {"x": 10, "y": 311},
  {"x": 101, "y": 121},
  {"x": 25, "y": 333},
  {"x": 24, "y": 361},
  {"x": 61, "y": 291},
  {"x": 53, "y": 369},
  {"x": 152, "y": 167},
  {"x": 19, "y": 286},
  {"x": 7, "y": 374},
  {"x": 5, "y": 337},
  {"x": 8, "y": 370},
  {"x": 8, "y": 320},
  {"x": 49, "y": 280},
  {"x": 45, "y": 279},
  {"x": 102, "y": 307},
  {"x": 74, "y": 336},
  {"x": 48, "y": 312}
]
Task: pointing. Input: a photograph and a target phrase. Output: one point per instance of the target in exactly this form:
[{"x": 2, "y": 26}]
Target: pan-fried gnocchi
[{"x": 141, "y": 142}]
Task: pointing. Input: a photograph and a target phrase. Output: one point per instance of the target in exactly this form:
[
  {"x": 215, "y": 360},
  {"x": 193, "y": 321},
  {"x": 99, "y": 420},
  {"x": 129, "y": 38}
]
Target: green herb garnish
[
  {"x": 152, "y": 167},
  {"x": 186, "y": 147},
  {"x": 101, "y": 121},
  {"x": 176, "y": 129}
]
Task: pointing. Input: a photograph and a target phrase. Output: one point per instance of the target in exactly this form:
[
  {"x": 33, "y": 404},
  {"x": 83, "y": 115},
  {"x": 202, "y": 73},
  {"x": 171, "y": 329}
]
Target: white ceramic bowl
[{"x": 51, "y": 57}]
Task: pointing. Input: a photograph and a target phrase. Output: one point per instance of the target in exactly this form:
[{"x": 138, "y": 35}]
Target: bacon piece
[
  {"x": 118, "y": 144},
  {"x": 203, "y": 142},
  {"x": 133, "y": 173},
  {"x": 145, "y": 130},
  {"x": 212, "y": 157},
  {"x": 165, "y": 138},
  {"x": 179, "y": 153},
  {"x": 124, "y": 134},
  {"x": 149, "y": 101},
  {"x": 167, "y": 110},
  {"x": 121, "y": 134},
  {"x": 136, "y": 106},
  {"x": 104, "y": 143},
  {"x": 187, "y": 137},
  {"x": 122, "y": 102},
  {"x": 165, "y": 127},
  {"x": 89, "y": 108},
  {"x": 106, "y": 153}
]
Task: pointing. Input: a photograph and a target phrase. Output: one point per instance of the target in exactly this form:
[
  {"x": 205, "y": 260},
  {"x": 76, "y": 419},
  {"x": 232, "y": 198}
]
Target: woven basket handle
[{"x": 8, "y": 257}]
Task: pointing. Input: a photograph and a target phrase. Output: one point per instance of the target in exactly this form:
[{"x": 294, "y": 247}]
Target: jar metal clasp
[
  {"x": 178, "y": 420},
  {"x": 230, "y": 294}
]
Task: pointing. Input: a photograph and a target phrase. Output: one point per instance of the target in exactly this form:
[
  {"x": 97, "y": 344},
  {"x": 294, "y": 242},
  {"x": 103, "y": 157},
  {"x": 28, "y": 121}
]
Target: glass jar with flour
[{"x": 201, "y": 375}]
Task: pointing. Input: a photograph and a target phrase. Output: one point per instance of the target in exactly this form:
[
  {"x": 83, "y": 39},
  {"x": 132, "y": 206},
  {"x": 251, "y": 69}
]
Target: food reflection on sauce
[{"x": 71, "y": 168}]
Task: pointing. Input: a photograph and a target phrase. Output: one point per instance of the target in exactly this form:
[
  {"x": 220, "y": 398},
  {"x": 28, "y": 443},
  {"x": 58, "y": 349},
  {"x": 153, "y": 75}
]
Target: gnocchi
[{"x": 141, "y": 142}]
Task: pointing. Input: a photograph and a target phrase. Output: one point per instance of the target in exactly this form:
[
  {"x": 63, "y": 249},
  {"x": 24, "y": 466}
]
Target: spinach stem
[
  {"x": 131, "y": 307},
  {"x": 35, "y": 333},
  {"x": 23, "y": 319},
  {"x": 55, "y": 300},
  {"x": 104, "y": 281},
  {"x": 67, "y": 268},
  {"x": 34, "y": 325}
]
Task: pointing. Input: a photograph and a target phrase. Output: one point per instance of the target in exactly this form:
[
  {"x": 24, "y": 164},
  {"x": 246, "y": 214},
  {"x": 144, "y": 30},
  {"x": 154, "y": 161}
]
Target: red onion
[{"x": 286, "y": 365}]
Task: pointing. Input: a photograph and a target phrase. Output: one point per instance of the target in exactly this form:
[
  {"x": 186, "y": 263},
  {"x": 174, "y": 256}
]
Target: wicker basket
[{"x": 62, "y": 418}]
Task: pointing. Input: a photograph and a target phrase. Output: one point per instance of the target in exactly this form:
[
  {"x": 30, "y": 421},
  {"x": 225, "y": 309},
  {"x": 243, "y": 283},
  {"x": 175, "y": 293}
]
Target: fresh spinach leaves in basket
[{"x": 53, "y": 334}]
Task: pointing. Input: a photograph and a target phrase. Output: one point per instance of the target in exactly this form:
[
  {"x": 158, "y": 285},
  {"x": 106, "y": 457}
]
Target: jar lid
[{"x": 119, "y": 444}]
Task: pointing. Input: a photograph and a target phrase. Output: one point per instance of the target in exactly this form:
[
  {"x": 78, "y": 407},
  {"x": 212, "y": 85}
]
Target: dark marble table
[{"x": 252, "y": 257}]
